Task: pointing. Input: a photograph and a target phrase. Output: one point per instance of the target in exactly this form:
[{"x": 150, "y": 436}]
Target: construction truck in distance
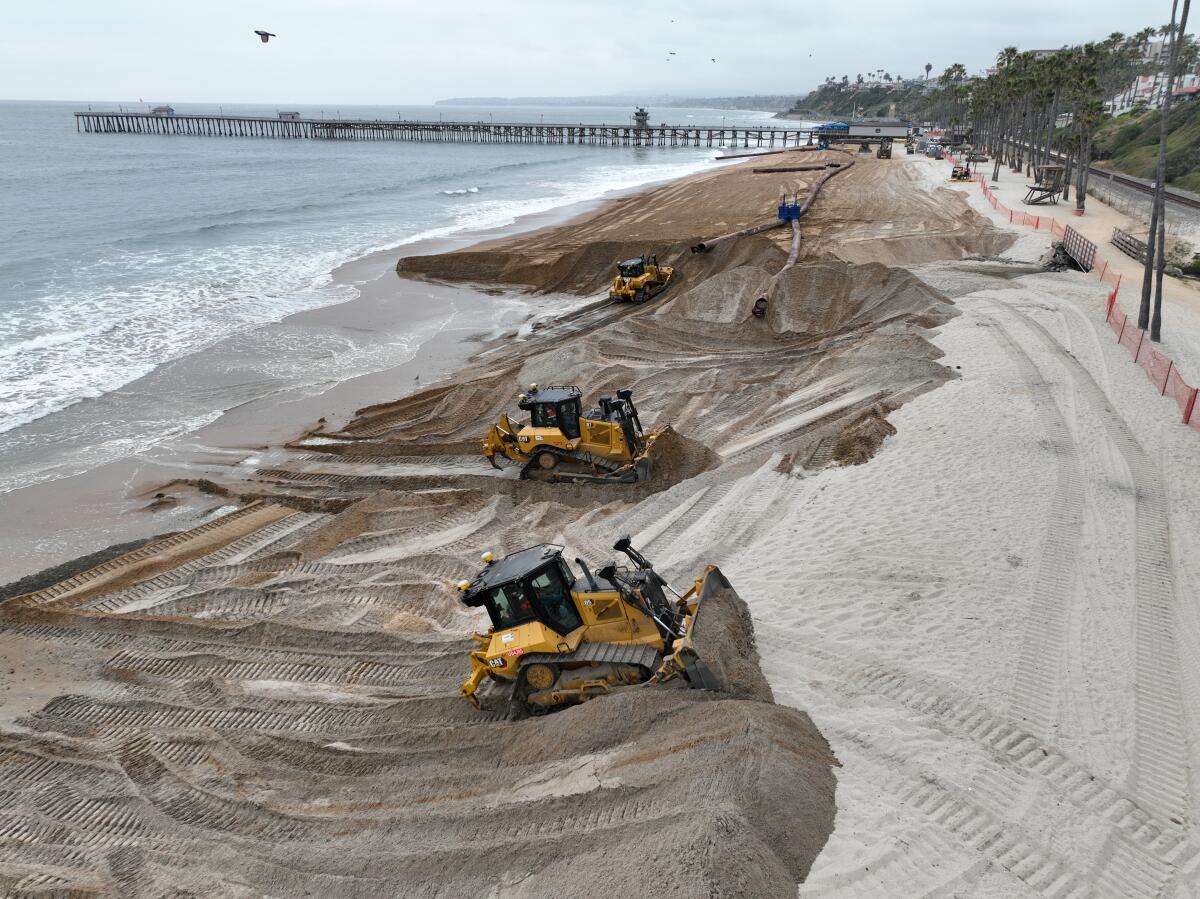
[
  {"x": 962, "y": 172},
  {"x": 561, "y": 442},
  {"x": 885, "y": 149},
  {"x": 640, "y": 279},
  {"x": 558, "y": 639}
]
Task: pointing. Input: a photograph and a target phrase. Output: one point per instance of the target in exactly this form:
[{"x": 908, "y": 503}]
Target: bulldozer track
[
  {"x": 1161, "y": 843},
  {"x": 822, "y": 454},
  {"x": 52, "y": 593},
  {"x": 1160, "y": 771},
  {"x": 1039, "y": 664},
  {"x": 323, "y": 479},
  {"x": 614, "y": 815},
  {"x": 1144, "y": 851},
  {"x": 847, "y": 410},
  {"x": 157, "y": 716},
  {"x": 349, "y": 672},
  {"x": 975, "y": 828},
  {"x": 531, "y": 470},
  {"x": 665, "y": 540},
  {"x": 146, "y": 643},
  {"x": 609, "y": 653},
  {"x": 167, "y": 584}
]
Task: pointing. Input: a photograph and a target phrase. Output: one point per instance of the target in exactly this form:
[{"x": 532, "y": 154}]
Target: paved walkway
[{"x": 1181, "y": 298}]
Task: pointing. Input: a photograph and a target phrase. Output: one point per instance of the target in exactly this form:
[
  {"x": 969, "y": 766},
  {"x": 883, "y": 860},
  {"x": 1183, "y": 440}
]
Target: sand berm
[{"x": 267, "y": 705}]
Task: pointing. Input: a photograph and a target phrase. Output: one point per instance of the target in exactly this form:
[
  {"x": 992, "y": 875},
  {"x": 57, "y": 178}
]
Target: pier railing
[{"x": 456, "y": 132}]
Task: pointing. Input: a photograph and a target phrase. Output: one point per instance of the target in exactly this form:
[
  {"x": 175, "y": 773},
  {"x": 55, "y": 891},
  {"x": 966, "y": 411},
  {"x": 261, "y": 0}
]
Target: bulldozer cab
[
  {"x": 554, "y": 407},
  {"x": 531, "y": 585},
  {"x": 632, "y": 268}
]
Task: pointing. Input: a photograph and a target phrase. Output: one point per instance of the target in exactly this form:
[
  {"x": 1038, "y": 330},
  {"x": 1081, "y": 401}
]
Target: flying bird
[
  {"x": 263, "y": 36},
  {"x": 672, "y": 52},
  {"x": 714, "y": 59}
]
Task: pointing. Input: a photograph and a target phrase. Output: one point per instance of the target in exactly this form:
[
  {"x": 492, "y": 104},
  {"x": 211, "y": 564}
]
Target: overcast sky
[{"x": 401, "y": 52}]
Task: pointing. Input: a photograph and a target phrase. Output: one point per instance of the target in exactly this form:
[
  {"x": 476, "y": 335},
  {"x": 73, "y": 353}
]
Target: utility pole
[{"x": 1157, "y": 238}]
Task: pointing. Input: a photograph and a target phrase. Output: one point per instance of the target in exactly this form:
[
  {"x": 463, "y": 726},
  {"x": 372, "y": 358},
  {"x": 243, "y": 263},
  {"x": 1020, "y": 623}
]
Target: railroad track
[
  {"x": 1141, "y": 185},
  {"x": 1179, "y": 198}
]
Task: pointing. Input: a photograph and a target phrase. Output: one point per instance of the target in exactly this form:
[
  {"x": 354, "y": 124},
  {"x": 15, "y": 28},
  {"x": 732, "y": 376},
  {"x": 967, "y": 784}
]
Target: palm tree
[{"x": 928, "y": 69}]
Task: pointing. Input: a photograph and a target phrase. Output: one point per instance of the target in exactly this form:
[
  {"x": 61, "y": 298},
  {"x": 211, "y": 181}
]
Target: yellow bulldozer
[
  {"x": 640, "y": 279},
  {"x": 558, "y": 639},
  {"x": 563, "y": 443}
]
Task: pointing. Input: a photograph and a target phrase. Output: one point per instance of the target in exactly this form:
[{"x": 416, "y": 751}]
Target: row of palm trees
[
  {"x": 877, "y": 75},
  {"x": 1015, "y": 110},
  {"x": 1016, "y": 113}
]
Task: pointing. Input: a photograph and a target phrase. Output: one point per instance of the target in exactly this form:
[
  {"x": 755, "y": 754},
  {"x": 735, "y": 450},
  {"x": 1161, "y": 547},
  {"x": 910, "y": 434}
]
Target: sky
[{"x": 401, "y": 52}]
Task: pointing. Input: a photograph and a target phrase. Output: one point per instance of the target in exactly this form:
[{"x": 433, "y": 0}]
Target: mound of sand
[
  {"x": 579, "y": 270},
  {"x": 812, "y": 299},
  {"x": 832, "y": 297},
  {"x": 860, "y": 440},
  {"x": 725, "y": 298},
  {"x": 676, "y": 458},
  {"x": 289, "y": 760},
  {"x": 724, "y": 638}
]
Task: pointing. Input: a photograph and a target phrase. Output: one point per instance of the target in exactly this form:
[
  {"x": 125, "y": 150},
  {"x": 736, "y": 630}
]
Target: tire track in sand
[
  {"x": 1159, "y": 773},
  {"x": 1144, "y": 852},
  {"x": 1036, "y": 684}
]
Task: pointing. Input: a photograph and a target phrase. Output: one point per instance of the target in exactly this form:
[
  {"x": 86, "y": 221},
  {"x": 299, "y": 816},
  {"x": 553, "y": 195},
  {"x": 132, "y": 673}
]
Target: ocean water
[{"x": 121, "y": 254}]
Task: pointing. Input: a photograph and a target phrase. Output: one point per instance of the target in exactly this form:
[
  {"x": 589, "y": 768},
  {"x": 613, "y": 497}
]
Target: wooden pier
[{"x": 455, "y": 132}]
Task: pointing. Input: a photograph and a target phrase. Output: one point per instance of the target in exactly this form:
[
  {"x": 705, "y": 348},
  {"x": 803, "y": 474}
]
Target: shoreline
[{"x": 53, "y": 521}]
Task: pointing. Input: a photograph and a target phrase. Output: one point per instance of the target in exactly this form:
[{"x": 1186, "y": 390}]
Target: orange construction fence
[{"x": 1162, "y": 371}]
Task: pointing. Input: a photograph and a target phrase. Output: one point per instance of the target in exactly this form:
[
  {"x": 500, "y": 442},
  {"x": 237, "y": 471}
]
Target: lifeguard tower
[{"x": 1047, "y": 184}]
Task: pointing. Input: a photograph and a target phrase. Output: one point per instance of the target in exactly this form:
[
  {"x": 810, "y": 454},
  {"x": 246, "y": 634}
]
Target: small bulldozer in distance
[
  {"x": 640, "y": 279},
  {"x": 558, "y": 639},
  {"x": 563, "y": 443},
  {"x": 885, "y": 149}
]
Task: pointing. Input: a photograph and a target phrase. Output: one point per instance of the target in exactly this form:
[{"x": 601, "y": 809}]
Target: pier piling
[{"x": 459, "y": 132}]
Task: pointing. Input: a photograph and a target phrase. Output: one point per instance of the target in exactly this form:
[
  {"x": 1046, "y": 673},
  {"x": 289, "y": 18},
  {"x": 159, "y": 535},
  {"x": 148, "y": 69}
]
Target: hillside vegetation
[
  {"x": 1130, "y": 144},
  {"x": 839, "y": 101}
]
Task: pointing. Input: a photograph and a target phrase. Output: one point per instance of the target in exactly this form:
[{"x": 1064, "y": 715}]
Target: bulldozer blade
[
  {"x": 699, "y": 675},
  {"x": 687, "y": 658},
  {"x": 643, "y": 469}
]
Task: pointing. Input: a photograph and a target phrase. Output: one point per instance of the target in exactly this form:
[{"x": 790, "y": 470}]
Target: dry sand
[{"x": 1001, "y": 678}]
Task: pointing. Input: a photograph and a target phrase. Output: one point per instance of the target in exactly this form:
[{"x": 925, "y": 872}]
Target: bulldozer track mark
[
  {"x": 157, "y": 716},
  {"x": 52, "y": 593},
  {"x": 712, "y": 495},
  {"x": 1035, "y": 691},
  {"x": 974, "y": 827},
  {"x": 618, "y": 814},
  {"x": 144, "y": 644},
  {"x": 356, "y": 482},
  {"x": 366, "y": 673},
  {"x": 228, "y": 605},
  {"x": 1160, "y": 770},
  {"x": 822, "y": 455},
  {"x": 166, "y": 584},
  {"x": 838, "y": 410},
  {"x": 448, "y": 524},
  {"x": 1152, "y": 849}
]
